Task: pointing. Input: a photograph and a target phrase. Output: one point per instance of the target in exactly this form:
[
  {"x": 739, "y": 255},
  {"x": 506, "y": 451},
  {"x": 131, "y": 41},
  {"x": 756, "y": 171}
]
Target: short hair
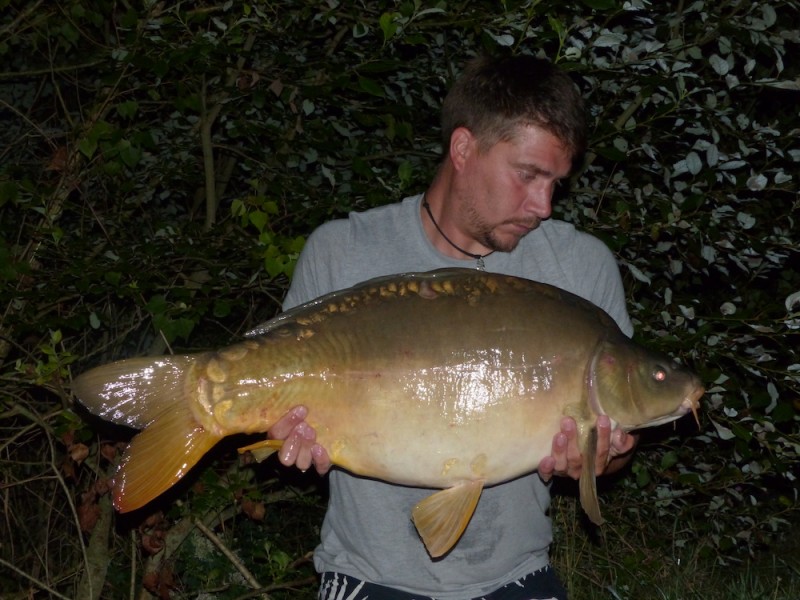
[{"x": 495, "y": 96}]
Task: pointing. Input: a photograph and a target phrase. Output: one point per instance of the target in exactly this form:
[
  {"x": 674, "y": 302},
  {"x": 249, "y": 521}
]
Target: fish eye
[{"x": 660, "y": 374}]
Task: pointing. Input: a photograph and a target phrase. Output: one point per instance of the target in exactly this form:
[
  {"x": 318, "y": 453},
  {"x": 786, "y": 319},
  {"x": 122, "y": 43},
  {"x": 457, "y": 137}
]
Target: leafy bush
[{"x": 161, "y": 167}]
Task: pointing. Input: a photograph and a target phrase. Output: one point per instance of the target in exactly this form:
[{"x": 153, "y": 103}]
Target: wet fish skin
[{"x": 452, "y": 379}]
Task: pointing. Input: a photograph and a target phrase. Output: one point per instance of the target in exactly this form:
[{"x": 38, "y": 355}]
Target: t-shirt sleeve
[{"x": 602, "y": 282}]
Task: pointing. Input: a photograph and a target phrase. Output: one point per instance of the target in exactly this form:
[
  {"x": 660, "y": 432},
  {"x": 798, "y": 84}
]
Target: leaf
[
  {"x": 769, "y": 15},
  {"x": 637, "y": 273},
  {"x": 130, "y": 155},
  {"x": 254, "y": 510},
  {"x": 79, "y": 452},
  {"x": 784, "y": 84},
  {"x": 600, "y": 4},
  {"x": 127, "y": 109},
  {"x": 222, "y": 308},
  {"x": 719, "y": 64},
  {"x": 502, "y": 39},
  {"x": 611, "y": 153},
  {"x": 791, "y": 301},
  {"x": 9, "y": 192},
  {"x": 732, "y": 164},
  {"x": 371, "y": 87},
  {"x": 405, "y": 172},
  {"x": 746, "y": 221},
  {"x": 757, "y": 182},
  {"x": 670, "y": 459},
  {"x": 157, "y": 305},
  {"x": 723, "y": 432},
  {"x": 87, "y": 147},
  {"x": 360, "y": 30},
  {"x": 431, "y": 11},
  {"x": 388, "y": 25},
  {"x": 609, "y": 40},
  {"x": 259, "y": 219},
  {"x": 694, "y": 163}
]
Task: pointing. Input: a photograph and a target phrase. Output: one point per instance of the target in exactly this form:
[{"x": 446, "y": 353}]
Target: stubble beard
[{"x": 487, "y": 235}]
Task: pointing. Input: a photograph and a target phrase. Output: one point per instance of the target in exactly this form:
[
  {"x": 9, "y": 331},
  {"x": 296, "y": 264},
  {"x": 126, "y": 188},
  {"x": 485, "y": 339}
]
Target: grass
[{"x": 630, "y": 559}]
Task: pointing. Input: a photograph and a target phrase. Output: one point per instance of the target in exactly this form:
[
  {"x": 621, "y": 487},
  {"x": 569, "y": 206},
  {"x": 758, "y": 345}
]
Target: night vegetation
[{"x": 162, "y": 163}]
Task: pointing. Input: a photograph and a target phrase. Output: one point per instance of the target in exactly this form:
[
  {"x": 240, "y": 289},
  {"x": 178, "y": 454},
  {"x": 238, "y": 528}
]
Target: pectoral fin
[
  {"x": 263, "y": 449},
  {"x": 442, "y": 517},
  {"x": 588, "y": 480}
]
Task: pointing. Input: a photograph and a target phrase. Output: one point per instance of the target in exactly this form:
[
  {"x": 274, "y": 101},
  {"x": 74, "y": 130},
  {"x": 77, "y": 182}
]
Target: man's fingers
[
  {"x": 546, "y": 468},
  {"x": 603, "y": 444},
  {"x": 296, "y": 448},
  {"x": 320, "y": 458},
  {"x": 284, "y": 426}
]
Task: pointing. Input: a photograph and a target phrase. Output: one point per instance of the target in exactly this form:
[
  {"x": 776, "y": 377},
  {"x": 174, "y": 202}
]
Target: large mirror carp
[{"x": 454, "y": 379}]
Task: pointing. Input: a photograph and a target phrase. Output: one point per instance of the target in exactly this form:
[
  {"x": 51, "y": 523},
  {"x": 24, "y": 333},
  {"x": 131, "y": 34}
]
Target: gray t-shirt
[{"x": 367, "y": 532}]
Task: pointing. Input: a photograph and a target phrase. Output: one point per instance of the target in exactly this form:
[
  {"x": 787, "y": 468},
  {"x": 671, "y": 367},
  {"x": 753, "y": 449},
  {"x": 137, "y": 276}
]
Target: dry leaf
[
  {"x": 88, "y": 515},
  {"x": 254, "y": 510},
  {"x": 78, "y": 452}
]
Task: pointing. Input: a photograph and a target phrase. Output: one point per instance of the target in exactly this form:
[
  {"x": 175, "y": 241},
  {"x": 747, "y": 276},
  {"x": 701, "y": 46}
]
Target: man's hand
[
  {"x": 299, "y": 442},
  {"x": 613, "y": 450}
]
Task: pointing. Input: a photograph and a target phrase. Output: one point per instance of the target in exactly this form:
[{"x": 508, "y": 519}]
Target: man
[{"x": 513, "y": 128}]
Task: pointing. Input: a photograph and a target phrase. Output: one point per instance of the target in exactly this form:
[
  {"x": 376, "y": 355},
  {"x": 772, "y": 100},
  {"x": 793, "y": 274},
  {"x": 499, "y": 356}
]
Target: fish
[{"x": 453, "y": 380}]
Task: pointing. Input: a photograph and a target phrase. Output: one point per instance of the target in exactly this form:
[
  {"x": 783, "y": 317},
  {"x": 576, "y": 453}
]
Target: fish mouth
[
  {"x": 692, "y": 403},
  {"x": 689, "y": 404}
]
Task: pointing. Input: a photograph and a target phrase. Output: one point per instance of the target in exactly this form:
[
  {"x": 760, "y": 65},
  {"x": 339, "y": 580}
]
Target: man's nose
[{"x": 539, "y": 201}]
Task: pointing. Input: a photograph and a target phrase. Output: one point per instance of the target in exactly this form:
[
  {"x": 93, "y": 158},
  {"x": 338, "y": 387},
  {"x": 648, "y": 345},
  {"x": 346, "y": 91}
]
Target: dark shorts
[{"x": 540, "y": 585}]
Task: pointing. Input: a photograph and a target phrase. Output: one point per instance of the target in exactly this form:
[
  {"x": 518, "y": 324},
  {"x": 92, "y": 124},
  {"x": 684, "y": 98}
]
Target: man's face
[{"x": 508, "y": 189}]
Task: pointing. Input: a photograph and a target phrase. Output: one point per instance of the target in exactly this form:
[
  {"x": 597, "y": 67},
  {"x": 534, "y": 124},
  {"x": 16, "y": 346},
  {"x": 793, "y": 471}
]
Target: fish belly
[{"x": 432, "y": 418}]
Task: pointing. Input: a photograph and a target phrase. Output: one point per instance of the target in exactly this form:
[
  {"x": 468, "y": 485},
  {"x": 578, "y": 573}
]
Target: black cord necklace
[{"x": 478, "y": 257}]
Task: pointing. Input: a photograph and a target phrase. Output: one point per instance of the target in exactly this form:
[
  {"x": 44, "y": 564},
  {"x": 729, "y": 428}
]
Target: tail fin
[
  {"x": 159, "y": 456},
  {"x": 149, "y": 394},
  {"x": 135, "y": 391}
]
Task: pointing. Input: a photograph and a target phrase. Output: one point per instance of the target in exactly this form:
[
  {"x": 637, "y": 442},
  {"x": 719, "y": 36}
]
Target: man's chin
[
  {"x": 506, "y": 244},
  {"x": 506, "y": 241}
]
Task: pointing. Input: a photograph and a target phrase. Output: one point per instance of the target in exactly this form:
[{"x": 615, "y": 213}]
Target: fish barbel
[{"x": 453, "y": 379}]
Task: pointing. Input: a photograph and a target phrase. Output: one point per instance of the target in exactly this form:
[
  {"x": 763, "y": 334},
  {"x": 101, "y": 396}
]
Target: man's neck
[{"x": 438, "y": 214}]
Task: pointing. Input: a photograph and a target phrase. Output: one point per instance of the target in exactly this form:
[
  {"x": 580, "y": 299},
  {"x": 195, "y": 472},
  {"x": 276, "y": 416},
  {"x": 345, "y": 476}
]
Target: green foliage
[{"x": 161, "y": 166}]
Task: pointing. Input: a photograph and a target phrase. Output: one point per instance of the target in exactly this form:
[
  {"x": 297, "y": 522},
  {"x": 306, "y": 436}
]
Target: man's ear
[{"x": 462, "y": 144}]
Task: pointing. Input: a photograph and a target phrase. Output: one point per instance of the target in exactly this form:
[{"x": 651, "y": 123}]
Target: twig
[
  {"x": 133, "y": 564},
  {"x": 286, "y": 585},
  {"x": 228, "y": 554},
  {"x": 207, "y": 120},
  {"x": 98, "y": 554},
  {"x": 50, "y": 70},
  {"x": 31, "y": 578},
  {"x": 8, "y": 29},
  {"x": 73, "y": 509}
]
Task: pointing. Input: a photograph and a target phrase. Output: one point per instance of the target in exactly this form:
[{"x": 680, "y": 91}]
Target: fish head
[{"x": 637, "y": 387}]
